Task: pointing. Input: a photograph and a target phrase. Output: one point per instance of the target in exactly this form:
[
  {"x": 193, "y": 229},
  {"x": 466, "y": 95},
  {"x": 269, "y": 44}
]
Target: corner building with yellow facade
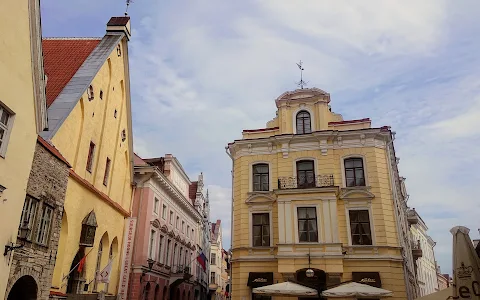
[
  {"x": 88, "y": 98},
  {"x": 315, "y": 191}
]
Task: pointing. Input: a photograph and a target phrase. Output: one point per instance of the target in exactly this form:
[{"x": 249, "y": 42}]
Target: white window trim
[
  {"x": 153, "y": 256},
  {"x": 161, "y": 252},
  {"x": 312, "y": 118},
  {"x": 295, "y": 216},
  {"x": 259, "y": 210},
  {"x": 365, "y": 171},
  {"x": 158, "y": 207},
  {"x": 250, "y": 176},
  {"x": 315, "y": 165},
  {"x": 8, "y": 130},
  {"x": 164, "y": 217},
  {"x": 349, "y": 230}
]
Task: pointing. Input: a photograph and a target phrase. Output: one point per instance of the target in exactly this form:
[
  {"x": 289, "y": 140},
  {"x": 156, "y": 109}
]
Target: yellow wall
[
  {"x": 384, "y": 256},
  {"x": 16, "y": 93},
  {"x": 94, "y": 121}
]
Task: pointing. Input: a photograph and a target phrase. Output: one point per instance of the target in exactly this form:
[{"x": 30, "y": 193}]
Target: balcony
[
  {"x": 416, "y": 250},
  {"x": 180, "y": 272},
  {"x": 319, "y": 181},
  {"x": 412, "y": 217}
]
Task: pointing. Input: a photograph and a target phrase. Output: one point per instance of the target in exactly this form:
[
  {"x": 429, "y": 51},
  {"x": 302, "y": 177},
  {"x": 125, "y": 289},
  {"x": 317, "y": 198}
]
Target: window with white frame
[
  {"x": 5, "y": 128},
  {"x": 261, "y": 229},
  {"x": 167, "y": 253},
  {"x": 152, "y": 245},
  {"x": 155, "y": 206},
  {"x": 171, "y": 217},
  {"x": 44, "y": 225},
  {"x": 160, "y": 248},
  {"x": 212, "y": 277},
  {"x": 177, "y": 223},
  {"x": 188, "y": 231},
  {"x": 354, "y": 172},
  {"x": 260, "y": 177},
  {"x": 183, "y": 226},
  {"x": 164, "y": 212},
  {"x": 360, "y": 228},
  {"x": 303, "y": 122},
  {"x": 29, "y": 212},
  {"x": 307, "y": 224},
  {"x": 213, "y": 259}
]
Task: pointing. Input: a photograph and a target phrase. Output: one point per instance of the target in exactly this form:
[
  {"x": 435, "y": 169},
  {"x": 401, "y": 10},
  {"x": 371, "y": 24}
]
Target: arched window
[
  {"x": 97, "y": 267},
  {"x": 303, "y": 122},
  {"x": 90, "y": 93},
  {"x": 260, "y": 177},
  {"x": 354, "y": 174},
  {"x": 147, "y": 290}
]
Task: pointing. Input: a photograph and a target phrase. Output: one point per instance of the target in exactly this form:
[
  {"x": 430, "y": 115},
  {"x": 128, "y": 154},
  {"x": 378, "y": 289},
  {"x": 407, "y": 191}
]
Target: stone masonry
[{"x": 48, "y": 184}]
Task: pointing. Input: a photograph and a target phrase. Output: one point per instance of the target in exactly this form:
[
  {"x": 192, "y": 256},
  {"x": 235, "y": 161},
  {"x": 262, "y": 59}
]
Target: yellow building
[
  {"x": 22, "y": 114},
  {"x": 314, "y": 191},
  {"x": 89, "y": 113}
]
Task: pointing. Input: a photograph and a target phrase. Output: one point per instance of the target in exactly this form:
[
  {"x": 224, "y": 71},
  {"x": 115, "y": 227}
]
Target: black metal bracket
[{"x": 11, "y": 247}]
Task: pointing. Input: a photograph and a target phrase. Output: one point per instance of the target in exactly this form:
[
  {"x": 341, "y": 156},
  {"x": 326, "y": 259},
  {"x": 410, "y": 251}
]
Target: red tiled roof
[
  {"x": 138, "y": 161},
  {"x": 349, "y": 121},
  {"x": 260, "y": 129},
  {"x": 193, "y": 191},
  {"x": 118, "y": 21},
  {"x": 53, "y": 150},
  {"x": 62, "y": 59}
]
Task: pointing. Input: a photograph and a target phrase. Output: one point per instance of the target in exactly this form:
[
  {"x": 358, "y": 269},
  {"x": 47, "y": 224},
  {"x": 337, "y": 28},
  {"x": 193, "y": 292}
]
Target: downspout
[
  {"x": 231, "y": 229},
  {"x": 395, "y": 200},
  {"x": 139, "y": 205}
]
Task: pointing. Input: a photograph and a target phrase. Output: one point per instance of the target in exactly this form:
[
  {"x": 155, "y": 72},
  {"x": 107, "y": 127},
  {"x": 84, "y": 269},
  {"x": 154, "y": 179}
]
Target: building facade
[
  {"x": 426, "y": 267},
  {"x": 443, "y": 280},
  {"x": 88, "y": 98},
  {"x": 217, "y": 262},
  {"x": 313, "y": 190},
  {"x": 22, "y": 115}
]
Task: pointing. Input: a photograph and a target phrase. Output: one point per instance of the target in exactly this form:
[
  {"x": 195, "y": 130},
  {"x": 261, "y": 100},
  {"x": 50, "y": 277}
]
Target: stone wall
[{"x": 48, "y": 184}]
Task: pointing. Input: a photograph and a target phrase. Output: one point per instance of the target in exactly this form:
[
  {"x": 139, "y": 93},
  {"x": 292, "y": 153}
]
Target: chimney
[{"x": 120, "y": 24}]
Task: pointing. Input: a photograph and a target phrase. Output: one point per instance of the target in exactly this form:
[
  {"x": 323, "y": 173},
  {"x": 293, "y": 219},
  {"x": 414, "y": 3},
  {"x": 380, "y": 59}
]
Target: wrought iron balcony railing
[
  {"x": 180, "y": 269},
  {"x": 325, "y": 180},
  {"x": 416, "y": 249}
]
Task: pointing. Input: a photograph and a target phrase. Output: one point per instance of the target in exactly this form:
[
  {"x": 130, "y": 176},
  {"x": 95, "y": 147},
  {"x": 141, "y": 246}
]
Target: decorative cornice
[
  {"x": 260, "y": 198},
  {"x": 364, "y": 193},
  {"x": 100, "y": 194}
]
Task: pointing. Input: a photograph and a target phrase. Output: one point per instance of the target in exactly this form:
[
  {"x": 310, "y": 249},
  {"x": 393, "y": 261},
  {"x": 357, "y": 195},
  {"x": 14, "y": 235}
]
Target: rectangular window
[
  {"x": 193, "y": 234},
  {"x": 155, "y": 205},
  {"x": 171, "y": 217},
  {"x": 188, "y": 231},
  {"x": 152, "y": 244},
  {"x": 307, "y": 224},
  {"x": 164, "y": 212},
  {"x": 212, "y": 277},
  {"x": 28, "y": 216},
  {"x": 167, "y": 253},
  {"x": 360, "y": 227},
  {"x": 5, "y": 127},
  {"x": 44, "y": 226},
  {"x": 160, "y": 245},
  {"x": 260, "y": 177},
  {"x": 305, "y": 174},
  {"x": 91, "y": 156},
  {"x": 183, "y": 226},
  {"x": 213, "y": 260},
  {"x": 261, "y": 229},
  {"x": 177, "y": 223},
  {"x": 354, "y": 175},
  {"x": 107, "y": 172}
]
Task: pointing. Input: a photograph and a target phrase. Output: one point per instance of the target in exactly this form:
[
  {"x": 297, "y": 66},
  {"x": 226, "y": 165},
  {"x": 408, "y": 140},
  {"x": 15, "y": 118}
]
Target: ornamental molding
[
  {"x": 164, "y": 229},
  {"x": 358, "y": 193},
  {"x": 156, "y": 223},
  {"x": 260, "y": 198}
]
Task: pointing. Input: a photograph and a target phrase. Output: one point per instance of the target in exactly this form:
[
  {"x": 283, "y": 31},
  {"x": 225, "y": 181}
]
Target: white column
[
  {"x": 281, "y": 222},
  {"x": 289, "y": 228},
  {"x": 326, "y": 222},
  {"x": 334, "y": 221}
]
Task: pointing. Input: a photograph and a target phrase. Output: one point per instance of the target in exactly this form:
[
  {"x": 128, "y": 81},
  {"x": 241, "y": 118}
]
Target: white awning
[
  {"x": 285, "y": 289},
  {"x": 440, "y": 295},
  {"x": 354, "y": 289}
]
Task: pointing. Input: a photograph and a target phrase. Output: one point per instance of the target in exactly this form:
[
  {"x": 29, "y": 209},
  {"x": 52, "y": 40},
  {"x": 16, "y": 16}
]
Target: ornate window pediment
[
  {"x": 164, "y": 229},
  {"x": 260, "y": 198},
  {"x": 155, "y": 223},
  {"x": 356, "y": 194}
]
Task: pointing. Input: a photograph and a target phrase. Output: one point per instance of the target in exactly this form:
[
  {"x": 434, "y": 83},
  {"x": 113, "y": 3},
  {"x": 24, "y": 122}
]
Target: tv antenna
[
  {"x": 128, "y": 3},
  {"x": 301, "y": 83}
]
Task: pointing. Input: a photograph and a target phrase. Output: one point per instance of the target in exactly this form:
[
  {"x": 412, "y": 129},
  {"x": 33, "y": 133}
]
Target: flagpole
[{"x": 76, "y": 265}]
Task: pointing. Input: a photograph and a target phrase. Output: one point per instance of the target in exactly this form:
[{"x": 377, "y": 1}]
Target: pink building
[{"x": 169, "y": 227}]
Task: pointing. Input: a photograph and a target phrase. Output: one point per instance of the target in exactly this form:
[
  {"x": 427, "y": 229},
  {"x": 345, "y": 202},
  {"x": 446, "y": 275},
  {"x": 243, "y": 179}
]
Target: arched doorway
[
  {"x": 25, "y": 288},
  {"x": 157, "y": 293},
  {"x": 76, "y": 278},
  {"x": 183, "y": 295},
  {"x": 164, "y": 293},
  {"x": 147, "y": 291},
  {"x": 189, "y": 295}
]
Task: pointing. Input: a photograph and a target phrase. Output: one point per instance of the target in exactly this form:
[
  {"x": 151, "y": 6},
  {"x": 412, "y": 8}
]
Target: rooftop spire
[{"x": 301, "y": 83}]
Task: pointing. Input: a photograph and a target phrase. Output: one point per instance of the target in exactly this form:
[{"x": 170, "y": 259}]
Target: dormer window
[
  {"x": 90, "y": 93},
  {"x": 303, "y": 122}
]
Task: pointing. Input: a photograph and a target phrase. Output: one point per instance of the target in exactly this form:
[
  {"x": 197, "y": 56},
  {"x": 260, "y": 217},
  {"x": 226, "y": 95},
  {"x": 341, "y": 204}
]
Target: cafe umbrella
[{"x": 466, "y": 266}]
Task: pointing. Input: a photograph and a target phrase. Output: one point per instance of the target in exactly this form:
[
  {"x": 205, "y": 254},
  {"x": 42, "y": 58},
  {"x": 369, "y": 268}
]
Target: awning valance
[
  {"x": 354, "y": 289},
  {"x": 285, "y": 289},
  {"x": 258, "y": 279}
]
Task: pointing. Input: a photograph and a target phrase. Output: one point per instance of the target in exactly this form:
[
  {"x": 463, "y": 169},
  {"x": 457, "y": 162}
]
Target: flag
[
  {"x": 202, "y": 261},
  {"x": 81, "y": 264},
  {"x": 104, "y": 275}
]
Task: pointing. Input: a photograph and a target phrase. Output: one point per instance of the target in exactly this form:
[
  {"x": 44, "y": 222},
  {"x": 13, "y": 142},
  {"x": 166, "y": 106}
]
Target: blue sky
[{"x": 202, "y": 71}]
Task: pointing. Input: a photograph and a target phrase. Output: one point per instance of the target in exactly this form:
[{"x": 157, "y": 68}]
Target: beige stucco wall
[
  {"x": 94, "y": 121},
  {"x": 16, "y": 93}
]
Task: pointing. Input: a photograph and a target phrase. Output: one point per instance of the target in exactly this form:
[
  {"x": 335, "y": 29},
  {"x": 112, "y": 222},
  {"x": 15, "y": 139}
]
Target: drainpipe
[
  {"x": 139, "y": 205},
  {"x": 395, "y": 200},
  {"x": 231, "y": 229}
]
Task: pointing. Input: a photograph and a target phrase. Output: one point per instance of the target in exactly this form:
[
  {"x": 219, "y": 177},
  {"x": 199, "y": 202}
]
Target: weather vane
[
  {"x": 301, "y": 83},
  {"x": 128, "y": 3}
]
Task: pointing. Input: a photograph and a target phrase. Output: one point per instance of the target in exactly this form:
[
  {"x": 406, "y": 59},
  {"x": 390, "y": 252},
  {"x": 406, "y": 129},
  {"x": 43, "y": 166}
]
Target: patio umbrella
[
  {"x": 285, "y": 289},
  {"x": 466, "y": 265},
  {"x": 354, "y": 289}
]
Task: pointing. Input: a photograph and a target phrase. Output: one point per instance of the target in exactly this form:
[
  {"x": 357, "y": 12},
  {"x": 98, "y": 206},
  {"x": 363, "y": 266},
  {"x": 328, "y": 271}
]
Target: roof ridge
[{"x": 72, "y": 38}]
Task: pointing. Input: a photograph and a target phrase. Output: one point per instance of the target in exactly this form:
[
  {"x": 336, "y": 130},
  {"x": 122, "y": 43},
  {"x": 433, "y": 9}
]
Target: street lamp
[
  {"x": 309, "y": 273},
  {"x": 150, "y": 266}
]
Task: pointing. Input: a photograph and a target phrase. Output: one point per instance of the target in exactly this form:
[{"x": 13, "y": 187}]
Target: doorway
[{"x": 25, "y": 288}]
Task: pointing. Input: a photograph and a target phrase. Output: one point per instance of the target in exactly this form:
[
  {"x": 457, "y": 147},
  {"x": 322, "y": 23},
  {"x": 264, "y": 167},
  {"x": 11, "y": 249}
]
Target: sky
[{"x": 202, "y": 71}]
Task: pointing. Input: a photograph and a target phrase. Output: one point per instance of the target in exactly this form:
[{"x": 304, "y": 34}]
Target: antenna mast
[
  {"x": 128, "y": 3},
  {"x": 301, "y": 83}
]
